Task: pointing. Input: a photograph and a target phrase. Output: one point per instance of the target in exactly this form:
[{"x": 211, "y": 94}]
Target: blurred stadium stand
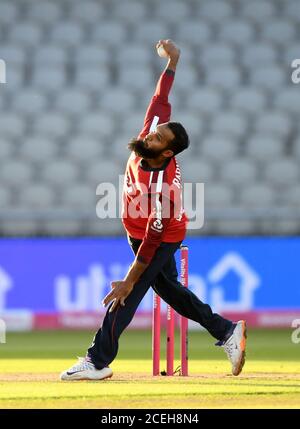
[{"x": 79, "y": 78}]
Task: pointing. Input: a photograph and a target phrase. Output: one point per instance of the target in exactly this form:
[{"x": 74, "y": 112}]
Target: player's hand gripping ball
[{"x": 161, "y": 51}]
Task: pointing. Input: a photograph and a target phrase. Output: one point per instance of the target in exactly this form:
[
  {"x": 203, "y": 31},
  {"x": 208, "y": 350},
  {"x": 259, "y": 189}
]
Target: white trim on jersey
[
  {"x": 157, "y": 194},
  {"x": 159, "y": 181},
  {"x": 150, "y": 179},
  {"x": 154, "y": 123}
]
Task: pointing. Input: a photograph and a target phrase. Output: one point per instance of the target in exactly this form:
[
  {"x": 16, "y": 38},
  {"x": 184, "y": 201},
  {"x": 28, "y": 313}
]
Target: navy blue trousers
[{"x": 162, "y": 275}]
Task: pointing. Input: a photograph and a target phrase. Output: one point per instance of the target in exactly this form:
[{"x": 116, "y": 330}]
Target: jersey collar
[{"x": 144, "y": 166}]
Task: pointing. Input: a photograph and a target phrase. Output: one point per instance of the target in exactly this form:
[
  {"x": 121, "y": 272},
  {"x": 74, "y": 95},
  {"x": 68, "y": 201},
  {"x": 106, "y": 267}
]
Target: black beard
[{"x": 138, "y": 147}]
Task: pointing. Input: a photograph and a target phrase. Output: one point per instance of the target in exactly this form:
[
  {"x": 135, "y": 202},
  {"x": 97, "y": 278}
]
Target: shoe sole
[
  {"x": 92, "y": 379},
  {"x": 243, "y": 347},
  {"x": 87, "y": 379}
]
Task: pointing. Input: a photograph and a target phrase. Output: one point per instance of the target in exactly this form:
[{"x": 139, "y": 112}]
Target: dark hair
[{"x": 181, "y": 140}]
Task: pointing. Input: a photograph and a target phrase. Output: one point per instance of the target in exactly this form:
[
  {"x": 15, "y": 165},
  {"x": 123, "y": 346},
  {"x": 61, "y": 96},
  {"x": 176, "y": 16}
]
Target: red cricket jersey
[{"x": 152, "y": 197}]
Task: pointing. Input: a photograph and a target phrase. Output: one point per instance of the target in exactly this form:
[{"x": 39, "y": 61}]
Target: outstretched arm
[{"x": 159, "y": 104}]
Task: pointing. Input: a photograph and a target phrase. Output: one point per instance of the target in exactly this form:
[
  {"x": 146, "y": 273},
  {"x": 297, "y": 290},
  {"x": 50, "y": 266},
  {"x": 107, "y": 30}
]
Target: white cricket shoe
[
  {"x": 235, "y": 347},
  {"x": 84, "y": 369}
]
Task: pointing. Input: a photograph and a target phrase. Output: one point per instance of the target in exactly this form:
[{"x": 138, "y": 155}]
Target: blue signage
[{"x": 231, "y": 274}]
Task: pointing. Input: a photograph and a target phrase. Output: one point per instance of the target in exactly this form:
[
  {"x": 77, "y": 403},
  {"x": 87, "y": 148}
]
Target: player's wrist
[
  {"x": 175, "y": 55},
  {"x": 129, "y": 281},
  {"x": 172, "y": 64}
]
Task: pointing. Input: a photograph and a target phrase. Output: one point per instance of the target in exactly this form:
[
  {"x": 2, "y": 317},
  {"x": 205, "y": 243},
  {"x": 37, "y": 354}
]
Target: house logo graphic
[{"x": 249, "y": 281}]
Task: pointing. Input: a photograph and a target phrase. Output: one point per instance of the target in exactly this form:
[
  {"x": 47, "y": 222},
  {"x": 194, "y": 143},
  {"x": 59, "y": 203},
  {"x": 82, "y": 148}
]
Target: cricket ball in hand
[{"x": 161, "y": 52}]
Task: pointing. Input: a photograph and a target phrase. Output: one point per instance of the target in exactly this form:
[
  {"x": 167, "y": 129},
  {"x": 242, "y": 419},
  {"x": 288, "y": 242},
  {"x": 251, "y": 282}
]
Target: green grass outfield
[{"x": 30, "y": 364}]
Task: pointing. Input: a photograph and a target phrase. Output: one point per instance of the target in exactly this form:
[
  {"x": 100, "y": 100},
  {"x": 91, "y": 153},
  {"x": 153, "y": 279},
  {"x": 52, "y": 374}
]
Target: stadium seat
[
  {"x": 132, "y": 77},
  {"x": 188, "y": 57},
  {"x": 134, "y": 54},
  {"x": 260, "y": 11},
  {"x": 217, "y": 54},
  {"x": 291, "y": 53},
  {"x": 15, "y": 79},
  {"x": 43, "y": 12},
  {"x": 196, "y": 33},
  {"x": 218, "y": 195},
  {"x": 50, "y": 55},
  {"x": 84, "y": 149},
  {"x": 268, "y": 77},
  {"x": 144, "y": 32},
  {"x": 29, "y": 101},
  {"x": 237, "y": 32},
  {"x": 4, "y": 101},
  {"x": 177, "y": 99},
  {"x": 103, "y": 171},
  {"x": 296, "y": 147},
  {"x": 20, "y": 228},
  {"x": 15, "y": 172},
  {"x": 117, "y": 99},
  {"x": 218, "y": 148},
  {"x": 288, "y": 100},
  {"x": 37, "y": 196},
  {"x": 5, "y": 198},
  {"x": 59, "y": 171},
  {"x": 258, "y": 196},
  {"x": 67, "y": 34},
  {"x": 129, "y": 11},
  {"x": 73, "y": 101},
  {"x": 94, "y": 55},
  {"x": 118, "y": 149},
  {"x": 213, "y": 10},
  {"x": 236, "y": 227},
  {"x": 291, "y": 196},
  {"x": 97, "y": 124},
  {"x": 9, "y": 12},
  {"x": 205, "y": 100},
  {"x": 248, "y": 100},
  {"x": 264, "y": 147},
  {"x": 12, "y": 125},
  {"x": 275, "y": 122},
  {"x": 6, "y": 148},
  {"x": 281, "y": 227},
  {"x": 109, "y": 33},
  {"x": 90, "y": 12},
  {"x": 239, "y": 171},
  {"x": 209, "y": 228},
  {"x": 13, "y": 54},
  {"x": 28, "y": 34},
  {"x": 133, "y": 123},
  {"x": 226, "y": 77},
  {"x": 258, "y": 55},
  {"x": 51, "y": 124},
  {"x": 192, "y": 122},
  {"x": 292, "y": 10},
  {"x": 91, "y": 78},
  {"x": 105, "y": 226},
  {"x": 37, "y": 149},
  {"x": 232, "y": 123},
  {"x": 280, "y": 31},
  {"x": 186, "y": 78},
  {"x": 196, "y": 171},
  {"x": 180, "y": 11},
  {"x": 64, "y": 227},
  {"x": 282, "y": 172},
  {"x": 79, "y": 196},
  {"x": 49, "y": 77}
]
